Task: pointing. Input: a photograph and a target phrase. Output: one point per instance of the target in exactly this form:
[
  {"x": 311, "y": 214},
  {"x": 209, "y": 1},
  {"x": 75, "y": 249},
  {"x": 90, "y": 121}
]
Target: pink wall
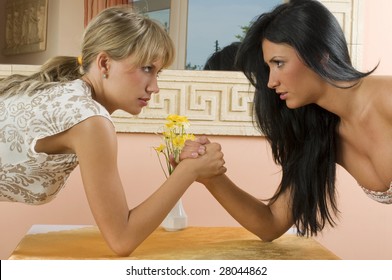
[
  {"x": 364, "y": 229},
  {"x": 378, "y": 42}
]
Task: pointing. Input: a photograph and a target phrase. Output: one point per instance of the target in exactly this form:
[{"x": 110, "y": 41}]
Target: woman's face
[
  {"x": 129, "y": 87},
  {"x": 292, "y": 80}
]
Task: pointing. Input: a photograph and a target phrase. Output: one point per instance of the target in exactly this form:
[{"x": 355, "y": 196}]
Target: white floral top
[{"x": 25, "y": 175}]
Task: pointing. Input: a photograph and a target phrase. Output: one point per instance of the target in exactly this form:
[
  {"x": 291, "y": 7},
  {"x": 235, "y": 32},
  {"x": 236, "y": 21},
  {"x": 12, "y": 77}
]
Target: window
[
  {"x": 199, "y": 27},
  {"x": 157, "y": 10},
  {"x": 215, "y": 24}
]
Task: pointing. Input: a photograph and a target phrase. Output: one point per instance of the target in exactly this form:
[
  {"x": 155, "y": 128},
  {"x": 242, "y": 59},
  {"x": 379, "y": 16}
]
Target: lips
[
  {"x": 144, "y": 101},
  {"x": 282, "y": 95}
]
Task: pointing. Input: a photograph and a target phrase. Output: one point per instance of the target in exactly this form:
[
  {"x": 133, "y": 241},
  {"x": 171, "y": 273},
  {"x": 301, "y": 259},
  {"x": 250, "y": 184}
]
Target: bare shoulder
[
  {"x": 379, "y": 90},
  {"x": 95, "y": 144},
  {"x": 94, "y": 124},
  {"x": 385, "y": 100},
  {"x": 93, "y": 133},
  {"x": 87, "y": 131}
]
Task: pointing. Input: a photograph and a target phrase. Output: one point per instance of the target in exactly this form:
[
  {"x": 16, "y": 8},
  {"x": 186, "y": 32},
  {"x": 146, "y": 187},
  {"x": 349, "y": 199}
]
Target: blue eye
[{"x": 147, "y": 69}]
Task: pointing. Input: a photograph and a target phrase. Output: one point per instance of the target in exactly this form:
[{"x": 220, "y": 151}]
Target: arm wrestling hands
[
  {"x": 200, "y": 147},
  {"x": 267, "y": 221}
]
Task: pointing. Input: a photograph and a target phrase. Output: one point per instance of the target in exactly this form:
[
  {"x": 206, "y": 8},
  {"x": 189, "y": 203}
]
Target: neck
[
  {"x": 343, "y": 102},
  {"x": 90, "y": 84}
]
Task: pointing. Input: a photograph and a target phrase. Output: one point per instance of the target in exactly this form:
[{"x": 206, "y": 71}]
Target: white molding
[
  {"x": 350, "y": 13},
  {"x": 178, "y": 31},
  {"x": 215, "y": 102},
  {"x": 9, "y": 69}
]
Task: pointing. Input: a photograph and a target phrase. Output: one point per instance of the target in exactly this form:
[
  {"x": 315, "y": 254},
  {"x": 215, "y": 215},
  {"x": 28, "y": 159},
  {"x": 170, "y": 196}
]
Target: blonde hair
[{"x": 120, "y": 32}]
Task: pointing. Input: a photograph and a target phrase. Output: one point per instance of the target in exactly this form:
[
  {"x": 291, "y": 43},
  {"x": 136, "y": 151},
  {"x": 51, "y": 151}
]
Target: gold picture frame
[{"x": 26, "y": 26}]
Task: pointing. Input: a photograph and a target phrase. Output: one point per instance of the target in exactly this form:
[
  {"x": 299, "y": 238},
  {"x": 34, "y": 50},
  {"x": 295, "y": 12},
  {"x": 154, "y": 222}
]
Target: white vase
[{"x": 176, "y": 219}]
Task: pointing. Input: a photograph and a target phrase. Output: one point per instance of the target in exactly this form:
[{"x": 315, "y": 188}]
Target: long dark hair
[{"x": 303, "y": 140}]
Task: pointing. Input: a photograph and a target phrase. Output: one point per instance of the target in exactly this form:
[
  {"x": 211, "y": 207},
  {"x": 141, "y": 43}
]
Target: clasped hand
[{"x": 209, "y": 154}]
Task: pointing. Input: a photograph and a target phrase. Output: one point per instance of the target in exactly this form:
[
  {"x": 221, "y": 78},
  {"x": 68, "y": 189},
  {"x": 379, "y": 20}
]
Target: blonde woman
[{"x": 60, "y": 117}]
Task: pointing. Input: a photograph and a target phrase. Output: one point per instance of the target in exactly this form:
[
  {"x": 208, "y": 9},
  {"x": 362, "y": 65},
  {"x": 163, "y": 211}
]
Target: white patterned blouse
[{"x": 25, "y": 175}]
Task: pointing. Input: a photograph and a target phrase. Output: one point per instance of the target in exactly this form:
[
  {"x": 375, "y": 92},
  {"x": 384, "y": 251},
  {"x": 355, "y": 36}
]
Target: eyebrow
[{"x": 274, "y": 58}]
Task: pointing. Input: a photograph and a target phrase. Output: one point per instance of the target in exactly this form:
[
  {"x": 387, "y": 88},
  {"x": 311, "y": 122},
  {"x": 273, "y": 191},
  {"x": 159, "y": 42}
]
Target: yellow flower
[
  {"x": 178, "y": 141},
  {"x": 174, "y": 136},
  {"x": 160, "y": 149},
  {"x": 167, "y": 134},
  {"x": 177, "y": 119},
  {"x": 170, "y": 124}
]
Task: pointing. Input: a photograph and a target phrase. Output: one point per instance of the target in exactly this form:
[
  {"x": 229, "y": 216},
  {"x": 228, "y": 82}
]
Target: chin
[
  {"x": 133, "y": 111},
  {"x": 292, "y": 105}
]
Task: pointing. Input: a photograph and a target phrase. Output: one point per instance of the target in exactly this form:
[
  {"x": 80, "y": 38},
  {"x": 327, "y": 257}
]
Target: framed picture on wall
[{"x": 25, "y": 28}]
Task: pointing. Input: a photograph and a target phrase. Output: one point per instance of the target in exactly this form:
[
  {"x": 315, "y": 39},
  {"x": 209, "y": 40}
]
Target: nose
[
  {"x": 273, "y": 81},
  {"x": 153, "y": 86}
]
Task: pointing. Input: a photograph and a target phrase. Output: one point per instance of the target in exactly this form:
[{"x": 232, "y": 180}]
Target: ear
[{"x": 103, "y": 62}]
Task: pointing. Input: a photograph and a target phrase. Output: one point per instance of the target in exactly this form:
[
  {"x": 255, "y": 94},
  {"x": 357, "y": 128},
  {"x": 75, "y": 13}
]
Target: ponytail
[
  {"x": 60, "y": 69},
  {"x": 57, "y": 69}
]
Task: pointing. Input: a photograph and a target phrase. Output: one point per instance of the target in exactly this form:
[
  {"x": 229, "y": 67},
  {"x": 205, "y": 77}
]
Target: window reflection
[
  {"x": 158, "y": 10},
  {"x": 216, "y": 24},
  {"x": 209, "y": 25},
  {"x": 223, "y": 59}
]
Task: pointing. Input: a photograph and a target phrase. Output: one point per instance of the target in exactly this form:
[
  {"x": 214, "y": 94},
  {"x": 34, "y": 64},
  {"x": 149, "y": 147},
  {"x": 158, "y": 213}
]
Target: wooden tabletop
[{"x": 192, "y": 243}]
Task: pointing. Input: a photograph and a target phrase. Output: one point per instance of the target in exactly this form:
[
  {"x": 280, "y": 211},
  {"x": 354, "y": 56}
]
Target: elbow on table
[
  {"x": 264, "y": 239},
  {"x": 268, "y": 236},
  {"x": 121, "y": 249}
]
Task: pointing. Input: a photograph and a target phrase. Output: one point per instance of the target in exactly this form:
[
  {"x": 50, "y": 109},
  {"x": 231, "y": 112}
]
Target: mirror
[
  {"x": 199, "y": 28},
  {"x": 155, "y": 9},
  {"x": 213, "y": 27},
  {"x": 208, "y": 27}
]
